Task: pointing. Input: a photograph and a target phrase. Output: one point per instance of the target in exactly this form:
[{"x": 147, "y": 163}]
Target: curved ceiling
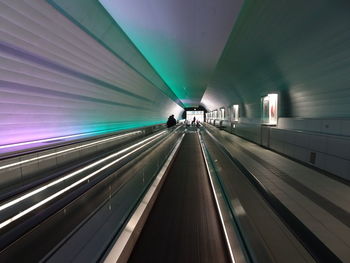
[
  {"x": 299, "y": 49},
  {"x": 182, "y": 39}
]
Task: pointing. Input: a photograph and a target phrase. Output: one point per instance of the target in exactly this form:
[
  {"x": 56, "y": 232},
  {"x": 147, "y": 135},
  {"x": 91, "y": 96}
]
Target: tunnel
[{"x": 175, "y": 131}]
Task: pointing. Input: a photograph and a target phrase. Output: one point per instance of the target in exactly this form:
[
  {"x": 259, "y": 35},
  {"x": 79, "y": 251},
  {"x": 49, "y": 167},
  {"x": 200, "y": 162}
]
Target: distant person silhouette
[
  {"x": 171, "y": 121},
  {"x": 194, "y": 121}
]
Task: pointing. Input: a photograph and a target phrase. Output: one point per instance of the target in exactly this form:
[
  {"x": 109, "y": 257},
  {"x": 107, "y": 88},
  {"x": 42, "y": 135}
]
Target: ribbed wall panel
[
  {"x": 57, "y": 80},
  {"x": 95, "y": 19}
]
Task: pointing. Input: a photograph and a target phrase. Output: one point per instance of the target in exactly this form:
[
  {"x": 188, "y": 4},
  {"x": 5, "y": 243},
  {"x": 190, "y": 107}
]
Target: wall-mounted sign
[
  {"x": 269, "y": 109},
  {"x": 222, "y": 113},
  {"x": 235, "y": 112}
]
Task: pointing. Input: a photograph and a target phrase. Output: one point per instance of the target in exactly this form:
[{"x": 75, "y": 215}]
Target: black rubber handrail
[
  {"x": 17, "y": 153},
  {"x": 240, "y": 235},
  {"x": 33, "y": 219},
  {"x": 319, "y": 251}
]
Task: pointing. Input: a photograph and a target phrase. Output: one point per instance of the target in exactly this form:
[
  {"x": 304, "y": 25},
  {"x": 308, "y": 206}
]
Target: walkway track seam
[
  {"x": 341, "y": 214},
  {"x": 123, "y": 246},
  {"x": 216, "y": 193},
  {"x": 310, "y": 241}
]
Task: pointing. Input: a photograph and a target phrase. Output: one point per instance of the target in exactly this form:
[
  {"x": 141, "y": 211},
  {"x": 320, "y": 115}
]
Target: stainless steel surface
[
  {"x": 184, "y": 225},
  {"x": 267, "y": 237}
]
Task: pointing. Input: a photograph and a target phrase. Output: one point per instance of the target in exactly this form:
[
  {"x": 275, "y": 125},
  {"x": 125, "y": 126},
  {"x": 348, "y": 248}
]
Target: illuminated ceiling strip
[
  {"x": 42, "y": 202},
  {"x": 40, "y": 189},
  {"x": 66, "y": 150}
]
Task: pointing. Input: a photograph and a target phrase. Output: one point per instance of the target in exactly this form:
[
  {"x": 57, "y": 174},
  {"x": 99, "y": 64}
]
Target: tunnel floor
[{"x": 183, "y": 225}]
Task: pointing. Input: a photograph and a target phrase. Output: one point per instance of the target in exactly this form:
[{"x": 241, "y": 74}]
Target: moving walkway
[{"x": 172, "y": 196}]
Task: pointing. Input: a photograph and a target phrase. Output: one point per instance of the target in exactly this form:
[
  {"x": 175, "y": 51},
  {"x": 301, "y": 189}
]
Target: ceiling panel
[
  {"x": 299, "y": 49},
  {"x": 182, "y": 39}
]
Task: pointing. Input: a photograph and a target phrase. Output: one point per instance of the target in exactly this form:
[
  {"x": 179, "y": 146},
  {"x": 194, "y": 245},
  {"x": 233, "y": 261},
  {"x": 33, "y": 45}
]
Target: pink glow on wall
[{"x": 56, "y": 80}]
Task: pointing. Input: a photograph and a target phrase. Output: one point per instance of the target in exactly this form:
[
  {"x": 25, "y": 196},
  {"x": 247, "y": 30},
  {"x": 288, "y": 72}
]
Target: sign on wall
[
  {"x": 269, "y": 109},
  {"x": 235, "y": 112},
  {"x": 222, "y": 113}
]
